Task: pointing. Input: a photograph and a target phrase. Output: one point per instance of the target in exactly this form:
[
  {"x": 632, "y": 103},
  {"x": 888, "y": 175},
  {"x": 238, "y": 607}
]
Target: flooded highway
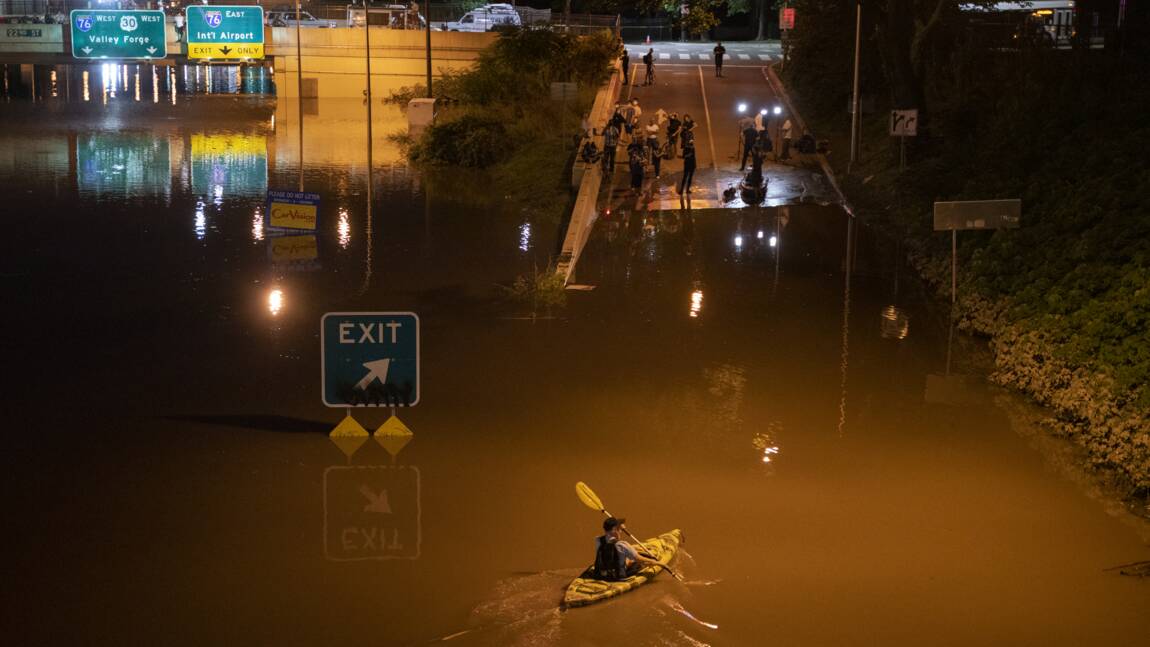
[{"x": 770, "y": 381}]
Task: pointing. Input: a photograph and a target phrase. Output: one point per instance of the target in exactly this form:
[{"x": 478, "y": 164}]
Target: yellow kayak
[{"x": 585, "y": 589}]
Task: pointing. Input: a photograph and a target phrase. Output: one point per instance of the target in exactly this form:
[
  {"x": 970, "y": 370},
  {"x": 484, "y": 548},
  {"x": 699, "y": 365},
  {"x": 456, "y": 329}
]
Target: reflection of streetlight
[
  {"x": 258, "y": 225},
  {"x": 759, "y": 234},
  {"x": 344, "y": 228},
  {"x": 742, "y": 107},
  {"x": 778, "y": 110},
  {"x": 696, "y": 303},
  {"x": 739, "y": 241},
  {"x": 774, "y": 241},
  {"x": 275, "y": 301}
]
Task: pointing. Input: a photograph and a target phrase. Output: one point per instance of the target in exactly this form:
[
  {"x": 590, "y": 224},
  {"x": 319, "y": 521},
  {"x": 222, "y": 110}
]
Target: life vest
[{"x": 609, "y": 562}]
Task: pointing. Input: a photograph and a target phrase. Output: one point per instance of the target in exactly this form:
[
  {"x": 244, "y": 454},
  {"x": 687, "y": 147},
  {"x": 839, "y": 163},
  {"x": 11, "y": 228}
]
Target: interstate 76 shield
[{"x": 370, "y": 359}]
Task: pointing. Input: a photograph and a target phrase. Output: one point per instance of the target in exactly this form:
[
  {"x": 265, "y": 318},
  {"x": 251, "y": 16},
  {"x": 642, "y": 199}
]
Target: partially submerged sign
[
  {"x": 370, "y": 359},
  {"x": 225, "y": 32},
  {"x": 977, "y": 214},
  {"x": 99, "y": 33},
  {"x": 293, "y": 210}
]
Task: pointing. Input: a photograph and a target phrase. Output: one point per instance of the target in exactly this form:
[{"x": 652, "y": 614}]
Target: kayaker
[{"x": 615, "y": 559}]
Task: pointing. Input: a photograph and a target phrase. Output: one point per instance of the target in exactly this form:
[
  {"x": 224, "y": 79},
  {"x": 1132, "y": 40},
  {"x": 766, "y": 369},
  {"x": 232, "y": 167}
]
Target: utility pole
[{"x": 855, "y": 95}]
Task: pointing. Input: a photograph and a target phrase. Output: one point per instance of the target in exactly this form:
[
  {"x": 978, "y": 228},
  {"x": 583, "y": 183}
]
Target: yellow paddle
[{"x": 591, "y": 500}]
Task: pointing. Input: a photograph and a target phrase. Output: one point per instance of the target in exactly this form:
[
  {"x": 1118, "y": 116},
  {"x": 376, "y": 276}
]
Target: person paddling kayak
[{"x": 615, "y": 559}]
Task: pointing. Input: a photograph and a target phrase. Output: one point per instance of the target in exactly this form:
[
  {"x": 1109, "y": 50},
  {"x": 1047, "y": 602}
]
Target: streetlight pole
[
  {"x": 299, "y": 90},
  {"x": 855, "y": 95},
  {"x": 427, "y": 17}
]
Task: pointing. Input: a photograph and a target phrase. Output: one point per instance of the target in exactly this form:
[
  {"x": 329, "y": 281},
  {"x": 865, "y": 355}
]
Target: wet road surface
[{"x": 169, "y": 476}]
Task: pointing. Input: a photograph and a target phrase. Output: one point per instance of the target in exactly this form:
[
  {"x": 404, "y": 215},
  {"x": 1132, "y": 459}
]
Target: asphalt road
[{"x": 686, "y": 83}]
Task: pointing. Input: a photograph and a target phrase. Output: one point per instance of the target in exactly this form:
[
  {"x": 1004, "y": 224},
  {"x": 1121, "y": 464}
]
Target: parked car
[
  {"x": 287, "y": 19},
  {"x": 393, "y": 16},
  {"x": 486, "y": 18}
]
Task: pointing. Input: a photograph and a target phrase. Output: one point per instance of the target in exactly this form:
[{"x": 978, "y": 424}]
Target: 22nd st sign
[{"x": 118, "y": 34}]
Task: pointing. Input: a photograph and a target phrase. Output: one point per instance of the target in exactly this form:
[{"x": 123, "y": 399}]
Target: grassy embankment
[
  {"x": 1065, "y": 300},
  {"x": 499, "y": 116}
]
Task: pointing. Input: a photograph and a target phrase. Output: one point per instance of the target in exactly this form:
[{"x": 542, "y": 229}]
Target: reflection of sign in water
[
  {"x": 292, "y": 210},
  {"x": 293, "y": 249},
  {"x": 370, "y": 359},
  {"x": 371, "y": 512},
  {"x": 225, "y": 32},
  {"x": 118, "y": 34},
  {"x": 123, "y": 164},
  {"x": 229, "y": 164}
]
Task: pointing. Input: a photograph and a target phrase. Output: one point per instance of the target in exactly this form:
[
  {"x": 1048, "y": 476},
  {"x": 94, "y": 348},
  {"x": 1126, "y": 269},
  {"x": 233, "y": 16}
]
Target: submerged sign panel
[
  {"x": 370, "y": 359},
  {"x": 293, "y": 210},
  {"x": 224, "y": 32},
  {"x": 118, "y": 34}
]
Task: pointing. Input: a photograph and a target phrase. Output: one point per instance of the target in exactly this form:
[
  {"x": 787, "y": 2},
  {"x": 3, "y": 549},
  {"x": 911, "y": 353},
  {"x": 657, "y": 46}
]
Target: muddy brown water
[{"x": 169, "y": 478}]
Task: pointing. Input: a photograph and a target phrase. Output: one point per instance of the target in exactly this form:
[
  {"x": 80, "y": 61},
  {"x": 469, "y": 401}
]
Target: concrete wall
[
  {"x": 31, "y": 38},
  {"x": 335, "y": 58}
]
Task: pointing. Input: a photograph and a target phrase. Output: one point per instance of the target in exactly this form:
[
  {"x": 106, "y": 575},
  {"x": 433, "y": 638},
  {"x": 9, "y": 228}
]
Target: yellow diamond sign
[
  {"x": 349, "y": 436},
  {"x": 393, "y": 436}
]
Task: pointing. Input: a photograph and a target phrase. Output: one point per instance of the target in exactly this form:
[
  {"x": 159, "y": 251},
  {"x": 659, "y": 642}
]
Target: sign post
[
  {"x": 903, "y": 124},
  {"x": 98, "y": 33},
  {"x": 973, "y": 214},
  {"x": 370, "y": 359},
  {"x": 225, "y": 32}
]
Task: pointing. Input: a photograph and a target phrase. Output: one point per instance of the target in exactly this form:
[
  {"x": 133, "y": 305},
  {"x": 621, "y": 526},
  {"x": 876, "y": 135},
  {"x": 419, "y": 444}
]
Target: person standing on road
[
  {"x": 720, "y": 51},
  {"x": 673, "y": 125},
  {"x": 610, "y": 141},
  {"x": 785, "y": 134},
  {"x": 747, "y": 135},
  {"x": 625, "y": 61},
  {"x": 688, "y": 163},
  {"x": 653, "y": 145},
  {"x": 649, "y": 61},
  {"x": 635, "y": 159},
  {"x": 687, "y": 130}
]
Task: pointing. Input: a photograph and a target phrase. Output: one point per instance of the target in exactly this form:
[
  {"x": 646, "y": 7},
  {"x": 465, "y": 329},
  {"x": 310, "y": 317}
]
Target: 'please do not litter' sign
[{"x": 293, "y": 210}]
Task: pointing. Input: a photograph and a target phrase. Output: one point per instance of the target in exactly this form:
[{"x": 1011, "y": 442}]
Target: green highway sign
[
  {"x": 223, "y": 32},
  {"x": 370, "y": 359},
  {"x": 99, "y": 33}
]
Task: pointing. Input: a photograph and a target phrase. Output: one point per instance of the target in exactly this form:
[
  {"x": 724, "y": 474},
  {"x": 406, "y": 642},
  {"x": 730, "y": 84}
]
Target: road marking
[
  {"x": 685, "y": 57},
  {"x": 765, "y": 57},
  {"x": 707, "y": 114},
  {"x": 745, "y": 57},
  {"x": 664, "y": 56},
  {"x": 703, "y": 57}
]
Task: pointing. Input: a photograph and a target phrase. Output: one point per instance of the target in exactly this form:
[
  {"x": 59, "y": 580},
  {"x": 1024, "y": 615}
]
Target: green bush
[{"x": 472, "y": 140}]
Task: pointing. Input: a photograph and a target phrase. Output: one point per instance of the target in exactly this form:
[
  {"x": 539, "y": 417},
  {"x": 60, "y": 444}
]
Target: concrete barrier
[
  {"x": 335, "y": 58},
  {"x": 590, "y": 178}
]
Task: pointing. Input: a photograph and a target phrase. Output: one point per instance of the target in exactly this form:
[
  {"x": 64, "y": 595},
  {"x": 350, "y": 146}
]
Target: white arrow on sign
[
  {"x": 375, "y": 369},
  {"x": 151, "y": 50},
  {"x": 86, "y": 50}
]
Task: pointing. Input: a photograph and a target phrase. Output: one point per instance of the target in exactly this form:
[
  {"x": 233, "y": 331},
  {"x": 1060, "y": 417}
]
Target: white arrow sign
[
  {"x": 151, "y": 50},
  {"x": 375, "y": 369},
  {"x": 86, "y": 50}
]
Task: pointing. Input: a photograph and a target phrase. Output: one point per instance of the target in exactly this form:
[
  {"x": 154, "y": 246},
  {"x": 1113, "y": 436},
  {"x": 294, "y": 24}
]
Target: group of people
[
  {"x": 648, "y": 63},
  {"x": 662, "y": 137},
  {"x": 719, "y": 52}
]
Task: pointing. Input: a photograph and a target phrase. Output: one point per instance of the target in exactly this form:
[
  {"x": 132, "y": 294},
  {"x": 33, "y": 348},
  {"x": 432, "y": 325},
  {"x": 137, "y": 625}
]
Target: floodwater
[{"x": 769, "y": 381}]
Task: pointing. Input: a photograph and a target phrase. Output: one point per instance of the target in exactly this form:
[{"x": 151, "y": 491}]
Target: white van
[{"x": 486, "y": 18}]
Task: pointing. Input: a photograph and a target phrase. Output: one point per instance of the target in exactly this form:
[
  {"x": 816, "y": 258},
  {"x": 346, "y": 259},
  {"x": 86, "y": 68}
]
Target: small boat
[{"x": 585, "y": 589}]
